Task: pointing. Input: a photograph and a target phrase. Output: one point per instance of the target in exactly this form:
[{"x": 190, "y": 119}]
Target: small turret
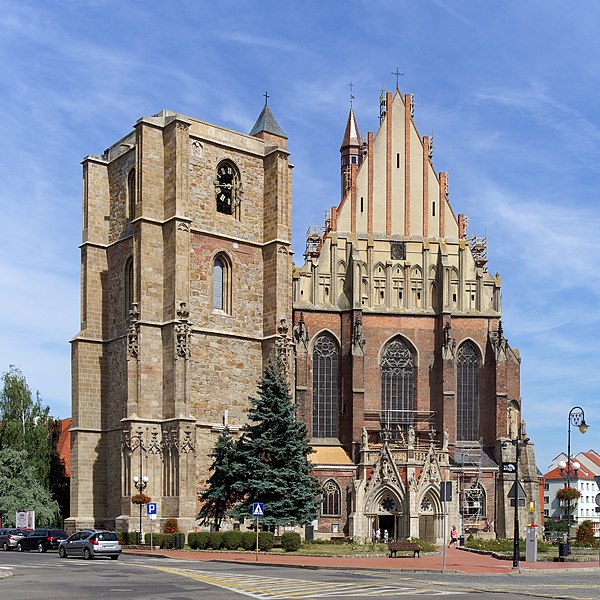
[
  {"x": 267, "y": 128},
  {"x": 351, "y": 151}
]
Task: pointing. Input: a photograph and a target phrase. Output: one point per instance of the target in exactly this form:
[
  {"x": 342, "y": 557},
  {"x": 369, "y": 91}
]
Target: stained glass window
[
  {"x": 325, "y": 387},
  {"x": 397, "y": 384},
  {"x": 467, "y": 392},
  {"x": 331, "y": 499}
]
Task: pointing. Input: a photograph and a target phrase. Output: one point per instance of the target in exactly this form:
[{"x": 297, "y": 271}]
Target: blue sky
[{"x": 509, "y": 90}]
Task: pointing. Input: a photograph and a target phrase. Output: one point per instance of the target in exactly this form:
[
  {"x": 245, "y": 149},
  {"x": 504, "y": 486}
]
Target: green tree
[
  {"x": 220, "y": 496},
  {"x": 271, "y": 463},
  {"x": 20, "y": 489},
  {"x": 26, "y": 426}
]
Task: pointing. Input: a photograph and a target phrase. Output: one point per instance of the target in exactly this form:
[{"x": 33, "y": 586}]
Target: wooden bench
[{"x": 413, "y": 547}]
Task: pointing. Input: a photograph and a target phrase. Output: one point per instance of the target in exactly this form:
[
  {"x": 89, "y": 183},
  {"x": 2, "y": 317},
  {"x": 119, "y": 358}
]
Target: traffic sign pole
[{"x": 257, "y": 537}]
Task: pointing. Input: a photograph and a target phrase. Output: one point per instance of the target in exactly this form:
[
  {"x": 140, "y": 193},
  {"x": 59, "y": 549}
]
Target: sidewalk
[{"x": 456, "y": 561}]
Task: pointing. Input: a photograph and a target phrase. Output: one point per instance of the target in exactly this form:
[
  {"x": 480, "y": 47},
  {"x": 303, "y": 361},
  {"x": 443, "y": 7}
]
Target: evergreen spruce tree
[
  {"x": 271, "y": 459},
  {"x": 220, "y": 496}
]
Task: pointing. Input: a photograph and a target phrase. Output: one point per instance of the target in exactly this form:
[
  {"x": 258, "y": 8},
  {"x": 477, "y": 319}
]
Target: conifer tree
[
  {"x": 272, "y": 465},
  {"x": 220, "y": 497}
]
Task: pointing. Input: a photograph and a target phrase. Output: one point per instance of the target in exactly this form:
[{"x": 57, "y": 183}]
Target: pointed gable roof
[
  {"x": 351, "y": 135},
  {"x": 267, "y": 123}
]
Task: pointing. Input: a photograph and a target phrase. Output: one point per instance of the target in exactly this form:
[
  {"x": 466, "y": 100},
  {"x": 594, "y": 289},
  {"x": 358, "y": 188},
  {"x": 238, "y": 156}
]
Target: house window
[
  {"x": 325, "y": 388},
  {"x": 546, "y": 486},
  {"x": 131, "y": 196},
  {"x": 228, "y": 189},
  {"x": 331, "y": 499},
  {"x": 397, "y": 384},
  {"x": 467, "y": 391},
  {"x": 546, "y": 499},
  {"x": 222, "y": 284}
]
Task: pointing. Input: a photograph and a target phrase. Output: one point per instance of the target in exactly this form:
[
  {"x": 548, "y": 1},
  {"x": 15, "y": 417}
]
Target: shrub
[
  {"x": 158, "y": 539},
  {"x": 232, "y": 540},
  {"x": 265, "y": 540},
  {"x": 215, "y": 540},
  {"x": 248, "y": 541},
  {"x": 168, "y": 541},
  {"x": 291, "y": 541},
  {"x": 585, "y": 534},
  {"x": 171, "y": 525}
]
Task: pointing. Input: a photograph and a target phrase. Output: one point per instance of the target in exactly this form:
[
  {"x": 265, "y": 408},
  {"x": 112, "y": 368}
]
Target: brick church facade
[{"x": 391, "y": 329}]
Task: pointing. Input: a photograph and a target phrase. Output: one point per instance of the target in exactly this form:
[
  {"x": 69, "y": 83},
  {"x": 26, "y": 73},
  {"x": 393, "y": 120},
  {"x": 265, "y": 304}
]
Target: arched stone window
[
  {"x": 128, "y": 285},
  {"x": 131, "y": 197},
  {"x": 397, "y": 383},
  {"x": 325, "y": 387},
  {"x": 222, "y": 283},
  {"x": 331, "y": 499},
  {"x": 467, "y": 393},
  {"x": 228, "y": 188}
]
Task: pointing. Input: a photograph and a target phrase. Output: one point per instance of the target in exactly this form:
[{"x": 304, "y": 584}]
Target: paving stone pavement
[{"x": 457, "y": 560}]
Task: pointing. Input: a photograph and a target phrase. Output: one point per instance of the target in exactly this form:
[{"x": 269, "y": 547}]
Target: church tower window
[
  {"x": 397, "y": 384},
  {"x": 325, "y": 388},
  {"x": 228, "y": 188},
  {"x": 222, "y": 284},
  {"x": 467, "y": 392},
  {"x": 331, "y": 499},
  {"x": 131, "y": 198}
]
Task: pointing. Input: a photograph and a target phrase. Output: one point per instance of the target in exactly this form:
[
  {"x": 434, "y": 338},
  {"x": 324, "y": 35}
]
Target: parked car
[
  {"x": 42, "y": 540},
  {"x": 10, "y": 537},
  {"x": 89, "y": 544}
]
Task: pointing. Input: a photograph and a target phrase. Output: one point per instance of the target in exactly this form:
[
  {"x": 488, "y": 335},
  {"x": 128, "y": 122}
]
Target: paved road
[{"x": 45, "y": 576}]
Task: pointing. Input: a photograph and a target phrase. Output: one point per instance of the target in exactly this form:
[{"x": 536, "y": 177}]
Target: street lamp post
[
  {"x": 518, "y": 443},
  {"x": 569, "y": 468},
  {"x": 139, "y": 481}
]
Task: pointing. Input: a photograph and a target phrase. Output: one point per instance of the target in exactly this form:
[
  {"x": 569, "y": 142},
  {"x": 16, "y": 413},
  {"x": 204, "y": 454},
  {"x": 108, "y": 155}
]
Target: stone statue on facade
[{"x": 411, "y": 436}]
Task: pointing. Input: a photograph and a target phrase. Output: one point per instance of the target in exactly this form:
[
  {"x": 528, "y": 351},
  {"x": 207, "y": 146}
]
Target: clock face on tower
[{"x": 228, "y": 188}]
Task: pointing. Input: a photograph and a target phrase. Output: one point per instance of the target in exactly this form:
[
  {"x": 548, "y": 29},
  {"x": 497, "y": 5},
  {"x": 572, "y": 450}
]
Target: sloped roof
[
  {"x": 329, "y": 455},
  {"x": 581, "y": 474},
  {"x": 268, "y": 123},
  {"x": 351, "y": 135}
]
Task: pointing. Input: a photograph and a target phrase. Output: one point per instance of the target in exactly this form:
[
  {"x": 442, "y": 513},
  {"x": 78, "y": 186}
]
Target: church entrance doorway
[
  {"x": 387, "y": 522},
  {"x": 427, "y": 528}
]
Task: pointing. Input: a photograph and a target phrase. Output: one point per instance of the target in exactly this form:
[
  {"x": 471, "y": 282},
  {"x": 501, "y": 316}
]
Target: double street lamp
[
  {"x": 570, "y": 468},
  {"x": 139, "y": 481}
]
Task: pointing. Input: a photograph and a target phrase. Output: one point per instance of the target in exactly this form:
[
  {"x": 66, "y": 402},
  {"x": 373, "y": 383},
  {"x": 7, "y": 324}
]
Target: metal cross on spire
[
  {"x": 266, "y": 95},
  {"x": 397, "y": 74},
  {"x": 351, "y": 86}
]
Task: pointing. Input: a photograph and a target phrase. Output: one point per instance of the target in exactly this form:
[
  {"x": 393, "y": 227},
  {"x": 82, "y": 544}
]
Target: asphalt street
[{"x": 33, "y": 576}]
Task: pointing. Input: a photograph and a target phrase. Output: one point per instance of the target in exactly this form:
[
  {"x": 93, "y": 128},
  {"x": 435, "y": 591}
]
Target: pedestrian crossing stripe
[{"x": 276, "y": 588}]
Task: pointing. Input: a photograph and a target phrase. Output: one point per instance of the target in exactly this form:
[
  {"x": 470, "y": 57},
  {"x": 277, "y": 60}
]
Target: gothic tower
[{"x": 186, "y": 281}]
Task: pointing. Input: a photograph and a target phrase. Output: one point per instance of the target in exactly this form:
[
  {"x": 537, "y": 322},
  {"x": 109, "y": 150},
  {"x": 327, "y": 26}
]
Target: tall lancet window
[
  {"x": 222, "y": 284},
  {"x": 325, "y": 387},
  {"x": 128, "y": 286},
  {"x": 131, "y": 198},
  {"x": 467, "y": 393},
  {"x": 397, "y": 383}
]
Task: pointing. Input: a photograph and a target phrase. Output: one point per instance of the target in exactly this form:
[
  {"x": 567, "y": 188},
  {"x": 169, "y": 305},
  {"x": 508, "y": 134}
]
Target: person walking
[
  {"x": 385, "y": 536},
  {"x": 453, "y": 537},
  {"x": 378, "y": 535}
]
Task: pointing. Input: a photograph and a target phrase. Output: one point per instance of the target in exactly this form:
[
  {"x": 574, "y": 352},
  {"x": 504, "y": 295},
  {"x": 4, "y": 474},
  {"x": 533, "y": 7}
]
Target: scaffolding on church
[
  {"x": 315, "y": 236},
  {"x": 472, "y": 499},
  {"x": 478, "y": 247}
]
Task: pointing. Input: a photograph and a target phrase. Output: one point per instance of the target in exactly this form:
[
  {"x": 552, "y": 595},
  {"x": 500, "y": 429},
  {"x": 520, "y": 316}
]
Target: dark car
[
  {"x": 10, "y": 537},
  {"x": 90, "y": 544},
  {"x": 42, "y": 540}
]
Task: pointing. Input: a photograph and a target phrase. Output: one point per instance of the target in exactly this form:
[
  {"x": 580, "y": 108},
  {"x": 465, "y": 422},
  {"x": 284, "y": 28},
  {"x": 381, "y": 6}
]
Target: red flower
[{"x": 140, "y": 499}]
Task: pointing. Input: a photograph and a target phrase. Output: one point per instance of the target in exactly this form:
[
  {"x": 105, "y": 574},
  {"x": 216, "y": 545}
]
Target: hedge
[
  {"x": 215, "y": 540},
  {"x": 291, "y": 541},
  {"x": 231, "y": 540}
]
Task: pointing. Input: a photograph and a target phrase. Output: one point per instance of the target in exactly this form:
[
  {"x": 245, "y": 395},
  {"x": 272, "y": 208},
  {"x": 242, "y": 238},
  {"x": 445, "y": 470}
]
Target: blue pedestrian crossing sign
[
  {"x": 258, "y": 509},
  {"x": 151, "y": 508}
]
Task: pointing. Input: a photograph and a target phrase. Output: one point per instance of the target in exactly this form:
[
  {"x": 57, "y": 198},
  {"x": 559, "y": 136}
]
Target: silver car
[
  {"x": 10, "y": 537},
  {"x": 91, "y": 543}
]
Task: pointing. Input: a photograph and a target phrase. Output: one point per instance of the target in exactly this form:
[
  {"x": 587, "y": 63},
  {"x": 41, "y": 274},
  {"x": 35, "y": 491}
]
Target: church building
[{"x": 391, "y": 330}]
